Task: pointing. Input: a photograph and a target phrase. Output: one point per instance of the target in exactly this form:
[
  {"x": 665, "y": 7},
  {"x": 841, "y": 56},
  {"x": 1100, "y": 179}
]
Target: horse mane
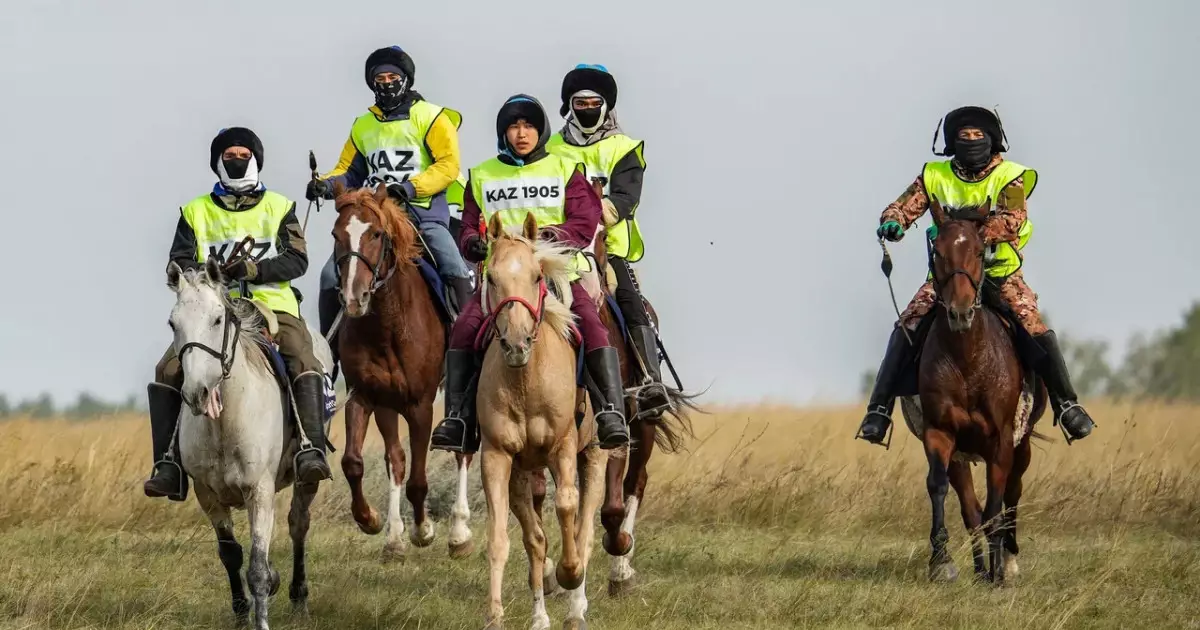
[
  {"x": 555, "y": 261},
  {"x": 251, "y": 339},
  {"x": 389, "y": 216}
]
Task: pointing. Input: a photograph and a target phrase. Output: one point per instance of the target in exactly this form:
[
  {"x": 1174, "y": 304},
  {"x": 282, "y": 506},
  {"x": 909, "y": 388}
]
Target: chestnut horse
[
  {"x": 977, "y": 401},
  {"x": 392, "y": 345}
]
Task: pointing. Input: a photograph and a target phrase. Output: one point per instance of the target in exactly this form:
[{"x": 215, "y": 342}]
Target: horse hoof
[
  {"x": 568, "y": 578},
  {"x": 575, "y": 624},
  {"x": 462, "y": 550},
  {"x": 423, "y": 535},
  {"x": 1011, "y": 569},
  {"x": 621, "y": 546},
  {"x": 619, "y": 588},
  {"x": 540, "y": 623},
  {"x": 373, "y": 525},
  {"x": 394, "y": 551},
  {"x": 943, "y": 573}
]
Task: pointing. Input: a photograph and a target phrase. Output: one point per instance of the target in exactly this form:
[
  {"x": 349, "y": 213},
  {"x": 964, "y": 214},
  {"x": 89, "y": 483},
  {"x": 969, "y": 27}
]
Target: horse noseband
[{"x": 231, "y": 323}]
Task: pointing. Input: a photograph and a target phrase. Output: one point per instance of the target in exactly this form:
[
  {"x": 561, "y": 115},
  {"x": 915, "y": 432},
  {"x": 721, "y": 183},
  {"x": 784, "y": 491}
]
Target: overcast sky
[{"x": 775, "y": 134}]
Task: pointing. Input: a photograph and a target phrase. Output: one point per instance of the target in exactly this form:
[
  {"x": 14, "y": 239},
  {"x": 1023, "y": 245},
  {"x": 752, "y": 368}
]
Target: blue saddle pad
[
  {"x": 280, "y": 369},
  {"x": 616, "y": 312},
  {"x": 437, "y": 288}
]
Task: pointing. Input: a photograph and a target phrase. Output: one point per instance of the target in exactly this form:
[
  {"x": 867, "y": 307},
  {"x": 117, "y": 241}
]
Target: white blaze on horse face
[
  {"x": 354, "y": 232},
  {"x": 962, "y": 238}
]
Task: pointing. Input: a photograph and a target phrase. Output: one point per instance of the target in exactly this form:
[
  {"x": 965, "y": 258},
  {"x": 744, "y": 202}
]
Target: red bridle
[{"x": 536, "y": 311}]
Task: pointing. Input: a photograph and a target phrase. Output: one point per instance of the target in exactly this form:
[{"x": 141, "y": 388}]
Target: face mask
[
  {"x": 390, "y": 95},
  {"x": 238, "y": 175},
  {"x": 973, "y": 154},
  {"x": 588, "y": 120}
]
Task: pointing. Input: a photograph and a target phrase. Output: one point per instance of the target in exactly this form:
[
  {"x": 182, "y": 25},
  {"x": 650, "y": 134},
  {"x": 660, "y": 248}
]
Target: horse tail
[{"x": 673, "y": 427}]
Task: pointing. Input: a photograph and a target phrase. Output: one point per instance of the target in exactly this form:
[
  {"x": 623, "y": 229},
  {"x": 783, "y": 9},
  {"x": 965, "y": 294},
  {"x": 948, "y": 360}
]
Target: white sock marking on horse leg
[
  {"x": 395, "y": 525},
  {"x": 622, "y": 566},
  {"x": 460, "y": 514},
  {"x": 1011, "y": 570},
  {"x": 578, "y": 604},
  {"x": 355, "y": 230},
  {"x": 541, "y": 619}
]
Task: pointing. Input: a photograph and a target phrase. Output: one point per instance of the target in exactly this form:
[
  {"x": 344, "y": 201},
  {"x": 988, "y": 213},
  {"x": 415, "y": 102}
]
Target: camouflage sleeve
[
  {"x": 909, "y": 206},
  {"x": 1011, "y": 212}
]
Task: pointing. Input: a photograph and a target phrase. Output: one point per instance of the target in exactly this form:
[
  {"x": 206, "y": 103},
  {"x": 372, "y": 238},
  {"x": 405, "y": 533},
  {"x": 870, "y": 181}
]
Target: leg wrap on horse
[
  {"x": 459, "y": 431},
  {"x": 167, "y": 479}
]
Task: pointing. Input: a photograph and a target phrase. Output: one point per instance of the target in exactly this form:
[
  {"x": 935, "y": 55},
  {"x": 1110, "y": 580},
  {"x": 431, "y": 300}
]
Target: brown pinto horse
[
  {"x": 977, "y": 402},
  {"x": 392, "y": 345},
  {"x": 624, "y": 495}
]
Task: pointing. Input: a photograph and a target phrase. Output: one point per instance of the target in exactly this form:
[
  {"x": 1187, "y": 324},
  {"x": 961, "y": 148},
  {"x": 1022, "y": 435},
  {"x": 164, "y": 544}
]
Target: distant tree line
[
  {"x": 85, "y": 406},
  {"x": 1163, "y": 366}
]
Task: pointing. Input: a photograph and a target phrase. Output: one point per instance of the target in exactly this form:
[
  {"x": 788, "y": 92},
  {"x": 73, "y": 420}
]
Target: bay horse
[
  {"x": 977, "y": 402},
  {"x": 392, "y": 345},
  {"x": 234, "y": 440},
  {"x": 526, "y": 404}
]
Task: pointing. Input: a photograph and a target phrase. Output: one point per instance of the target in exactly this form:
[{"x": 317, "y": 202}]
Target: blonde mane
[{"x": 555, "y": 262}]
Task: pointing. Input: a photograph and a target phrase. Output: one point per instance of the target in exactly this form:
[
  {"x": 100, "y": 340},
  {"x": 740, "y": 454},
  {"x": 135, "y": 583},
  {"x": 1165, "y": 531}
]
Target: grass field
[{"x": 775, "y": 518}]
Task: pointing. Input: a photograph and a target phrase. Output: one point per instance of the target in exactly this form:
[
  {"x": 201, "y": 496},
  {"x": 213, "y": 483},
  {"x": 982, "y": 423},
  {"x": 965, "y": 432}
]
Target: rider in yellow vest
[
  {"x": 211, "y": 225},
  {"x": 592, "y": 135},
  {"x": 524, "y": 179},
  {"x": 411, "y": 145},
  {"x": 976, "y": 174}
]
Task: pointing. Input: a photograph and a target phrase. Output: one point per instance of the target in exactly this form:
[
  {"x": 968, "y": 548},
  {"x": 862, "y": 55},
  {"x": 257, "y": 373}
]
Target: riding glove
[
  {"x": 891, "y": 230},
  {"x": 317, "y": 189},
  {"x": 476, "y": 248}
]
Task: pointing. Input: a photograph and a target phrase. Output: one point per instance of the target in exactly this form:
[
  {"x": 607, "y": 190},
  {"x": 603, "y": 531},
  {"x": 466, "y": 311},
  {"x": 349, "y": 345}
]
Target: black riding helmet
[
  {"x": 518, "y": 107},
  {"x": 391, "y": 56},
  {"x": 971, "y": 116},
  {"x": 234, "y": 137}
]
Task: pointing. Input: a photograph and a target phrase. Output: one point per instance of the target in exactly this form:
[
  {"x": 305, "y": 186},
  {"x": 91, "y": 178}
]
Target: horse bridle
[
  {"x": 377, "y": 282},
  {"x": 231, "y": 323},
  {"x": 537, "y": 312},
  {"x": 977, "y": 285}
]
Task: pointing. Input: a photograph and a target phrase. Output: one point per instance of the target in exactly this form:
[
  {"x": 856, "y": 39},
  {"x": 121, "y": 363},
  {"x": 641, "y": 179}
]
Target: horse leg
[
  {"x": 972, "y": 512},
  {"x": 497, "y": 469},
  {"x": 621, "y": 576},
  {"x": 298, "y": 522},
  {"x": 394, "y": 544},
  {"x": 420, "y": 425},
  {"x": 939, "y": 446},
  {"x": 998, "y": 468},
  {"x": 228, "y": 550},
  {"x": 520, "y": 495},
  {"x": 460, "y": 542},
  {"x": 1012, "y": 496},
  {"x": 566, "y": 503},
  {"x": 612, "y": 514},
  {"x": 538, "y": 481},
  {"x": 357, "y": 415},
  {"x": 264, "y": 581},
  {"x": 591, "y": 465}
]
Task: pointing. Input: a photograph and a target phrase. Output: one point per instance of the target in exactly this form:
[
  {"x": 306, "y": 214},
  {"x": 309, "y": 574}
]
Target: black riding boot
[
  {"x": 879, "y": 408},
  {"x": 459, "y": 431},
  {"x": 328, "y": 306},
  {"x": 1076, "y": 423},
  {"x": 462, "y": 291},
  {"x": 309, "y": 392},
  {"x": 652, "y": 397},
  {"x": 167, "y": 478},
  {"x": 604, "y": 366}
]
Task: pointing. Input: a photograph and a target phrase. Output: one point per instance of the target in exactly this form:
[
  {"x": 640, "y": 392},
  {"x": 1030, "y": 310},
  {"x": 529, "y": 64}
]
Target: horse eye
[
  {"x": 171, "y": 324},
  {"x": 217, "y": 321},
  {"x": 377, "y": 234}
]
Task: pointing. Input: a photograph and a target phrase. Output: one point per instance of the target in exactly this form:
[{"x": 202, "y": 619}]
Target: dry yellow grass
[{"x": 775, "y": 518}]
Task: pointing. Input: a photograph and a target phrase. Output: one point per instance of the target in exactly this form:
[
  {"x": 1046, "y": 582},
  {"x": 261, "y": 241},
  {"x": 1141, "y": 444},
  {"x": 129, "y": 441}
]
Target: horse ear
[
  {"x": 530, "y": 228},
  {"x": 495, "y": 228},
  {"x": 936, "y": 209},
  {"x": 212, "y": 271},
  {"x": 174, "y": 275},
  {"x": 381, "y": 194},
  {"x": 339, "y": 188}
]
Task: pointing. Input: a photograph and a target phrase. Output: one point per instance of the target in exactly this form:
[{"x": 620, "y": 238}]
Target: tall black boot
[
  {"x": 1075, "y": 421},
  {"x": 652, "y": 397},
  {"x": 328, "y": 306},
  {"x": 604, "y": 366},
  {"x": 879, "y": 408},
  {"x": 462, "y": 291},
  {"x": 458, "y": 431},
  {"x": 309, "y": 391},
  {"x": 167, "y": 478}
]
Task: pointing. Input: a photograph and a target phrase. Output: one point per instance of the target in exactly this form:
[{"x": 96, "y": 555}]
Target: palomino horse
[
  {"x": 977, "y": 401},
  {"x": 234, "y": 441},
  {"x": 392, "y": 345},
  {"x": 527, "y": 408}
]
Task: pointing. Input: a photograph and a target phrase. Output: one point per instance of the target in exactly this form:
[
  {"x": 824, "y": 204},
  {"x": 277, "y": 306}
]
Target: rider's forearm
[
  {"x": 625, "y": 187},
  {"x": 442, "y": 141},
  {"x": 292, "y": 260},
  {"x": 183, "y": 247},
  {"x": 471, "y": 216},
  {"x": 909, "y": 206},
  {"x": 1004, "y": 225},
  {"x": 583, "y": 213}
]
